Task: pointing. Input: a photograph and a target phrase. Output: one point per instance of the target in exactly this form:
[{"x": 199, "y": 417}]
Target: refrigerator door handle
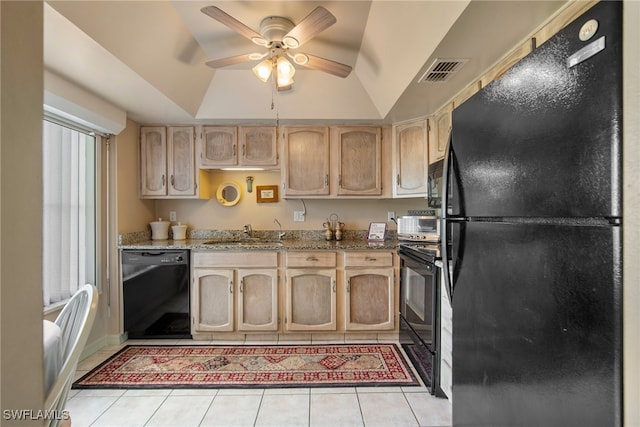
[{"x": 448, "y": 282}]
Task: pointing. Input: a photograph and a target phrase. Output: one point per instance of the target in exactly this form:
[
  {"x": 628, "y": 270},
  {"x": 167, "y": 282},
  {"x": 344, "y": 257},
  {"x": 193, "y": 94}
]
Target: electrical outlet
[
  {"x": 391, "y": 216},
  {"x": 172, "y": 215},
  {"x": 298, "y": 216}
]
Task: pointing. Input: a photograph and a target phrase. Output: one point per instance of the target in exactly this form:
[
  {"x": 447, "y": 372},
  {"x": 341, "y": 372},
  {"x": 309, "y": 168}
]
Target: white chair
[{"x": 75, "y": 321}]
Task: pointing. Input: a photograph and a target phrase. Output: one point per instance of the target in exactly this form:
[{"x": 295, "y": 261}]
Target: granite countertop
[
  {"x": 236, "y": 240},
  {"x": 260, "y": 244}
]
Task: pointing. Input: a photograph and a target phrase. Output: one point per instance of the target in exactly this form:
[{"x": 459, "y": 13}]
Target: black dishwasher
[{"x": 155, "y": 293}]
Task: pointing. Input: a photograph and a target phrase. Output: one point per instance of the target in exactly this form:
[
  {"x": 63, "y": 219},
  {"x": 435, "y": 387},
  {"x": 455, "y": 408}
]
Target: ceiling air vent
[{"x": 442, "y": 69}]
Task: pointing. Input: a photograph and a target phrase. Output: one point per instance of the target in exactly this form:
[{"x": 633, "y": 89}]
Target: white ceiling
[{"x": 147, "y": 57}]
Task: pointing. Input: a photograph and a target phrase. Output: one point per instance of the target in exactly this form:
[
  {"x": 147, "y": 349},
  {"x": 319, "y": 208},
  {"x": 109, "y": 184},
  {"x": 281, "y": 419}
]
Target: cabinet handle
[
  {"x": 243, "y": 149},
  {"x": 334, "y": 286},
  {"x": 230, "y": 287},
  {"x": 398, "y": 180},
  {"x": 340, "y": 180},
  {"x": 241, "y": 282},
  {"x": 173, "y": 181},
  {"x": 163, "y": 180},
  {"x": 348, "y": 285},
  {"x": 311, "y": 258},
  {"x": 234, "y": 150},
  {"x": 371, "y": 259},
  {"x": 326, "y": 180}
]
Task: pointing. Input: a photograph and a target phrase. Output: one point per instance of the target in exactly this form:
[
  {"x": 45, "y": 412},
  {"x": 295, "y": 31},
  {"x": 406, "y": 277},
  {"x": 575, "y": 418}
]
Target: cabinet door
[
  {"x": 410, "y": 150},
  {"x": 311, "y": 300},
  {"x": 212, "y": 300},
  {"x": 440, "y": 130},
  {"x": 259, "y": 146},
  {"x": 219, "y": 146},
  {"x": 257, "y": 300},
  {"x": 153, "y": 161},
  {"x": 306, "y": 161},
  {"x": 359, "y": 160},
  {"x": 369, "y": 299},
  {"x": 181, "y": 161}
]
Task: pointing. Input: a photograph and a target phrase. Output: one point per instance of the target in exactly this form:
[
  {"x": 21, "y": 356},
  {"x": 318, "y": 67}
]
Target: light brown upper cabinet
[
  {"x": 230, "y": 146},
  {"x": 219, "y": 146},
  {"x": 258, "y": 146},
  {"x": 410, "y": 158},
  {"x": 305, "y": 169},
  {"x": 168, "y": 163},
  {"x": 358, "y": 163},
  {"x": 341, "y": 161},
  {"x": 439, "y": 132}
]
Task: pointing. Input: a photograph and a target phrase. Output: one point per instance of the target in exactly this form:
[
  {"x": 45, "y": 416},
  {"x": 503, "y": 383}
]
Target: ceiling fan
[{"x": 279, "y": 35}]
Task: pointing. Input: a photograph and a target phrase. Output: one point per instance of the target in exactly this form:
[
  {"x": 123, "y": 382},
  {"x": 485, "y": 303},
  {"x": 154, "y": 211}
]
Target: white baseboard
[{"x": 105, "y": 340}]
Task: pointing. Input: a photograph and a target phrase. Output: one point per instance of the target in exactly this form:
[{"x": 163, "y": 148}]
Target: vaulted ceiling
[{"x": 148, "y": 57}]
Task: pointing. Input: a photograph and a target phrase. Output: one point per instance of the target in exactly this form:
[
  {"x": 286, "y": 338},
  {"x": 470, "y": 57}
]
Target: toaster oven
[{"x": 419, "y": 228}]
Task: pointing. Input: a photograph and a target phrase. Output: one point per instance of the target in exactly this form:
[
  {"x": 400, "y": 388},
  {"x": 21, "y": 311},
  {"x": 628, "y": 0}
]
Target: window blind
[{"x": 69, "y": 211}]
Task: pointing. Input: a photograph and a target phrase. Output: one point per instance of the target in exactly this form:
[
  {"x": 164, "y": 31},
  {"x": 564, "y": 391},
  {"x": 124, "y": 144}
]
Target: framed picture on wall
[{"x": 267, "y": 193}]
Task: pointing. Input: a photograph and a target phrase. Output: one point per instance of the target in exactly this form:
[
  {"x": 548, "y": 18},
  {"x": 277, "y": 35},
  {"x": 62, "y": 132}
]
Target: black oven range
[{"x": 420, "y": 310}]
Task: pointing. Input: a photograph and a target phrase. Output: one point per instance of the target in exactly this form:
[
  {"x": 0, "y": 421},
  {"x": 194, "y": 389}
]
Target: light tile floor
[{"x": 308, "y": 407}]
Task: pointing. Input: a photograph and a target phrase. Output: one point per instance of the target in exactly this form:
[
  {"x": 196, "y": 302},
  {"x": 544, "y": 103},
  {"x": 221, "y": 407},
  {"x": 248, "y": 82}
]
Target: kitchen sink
[{"x": 251, "y": 242}]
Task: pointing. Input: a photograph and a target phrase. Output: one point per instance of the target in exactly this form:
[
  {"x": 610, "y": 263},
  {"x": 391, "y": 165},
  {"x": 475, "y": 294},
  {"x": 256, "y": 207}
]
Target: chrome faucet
[
  {"x": 247, "y": 230},
  {"x": 280, "y": 234}
]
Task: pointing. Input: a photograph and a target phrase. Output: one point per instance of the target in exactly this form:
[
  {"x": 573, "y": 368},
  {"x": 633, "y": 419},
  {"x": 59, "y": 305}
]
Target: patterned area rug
[{"x": 141, "y": 366}]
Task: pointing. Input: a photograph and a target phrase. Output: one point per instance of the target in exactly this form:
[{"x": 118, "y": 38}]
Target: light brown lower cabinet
[
  {"x": 257, "y": 300},
  {"x": 369, "y": 299},
  {"x": 212, "y": 300},
  {"x": 311, "y": 300},
  {"x": 322, "y": 291},
  {"x": 369, "y": 279},
  {"x": 234, "y": 292},
  {"x": 311, "y": 291}
]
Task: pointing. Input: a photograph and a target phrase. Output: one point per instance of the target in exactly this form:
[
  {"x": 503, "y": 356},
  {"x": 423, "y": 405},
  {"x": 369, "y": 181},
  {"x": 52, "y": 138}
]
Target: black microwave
[{"x": 434, "y": 184}]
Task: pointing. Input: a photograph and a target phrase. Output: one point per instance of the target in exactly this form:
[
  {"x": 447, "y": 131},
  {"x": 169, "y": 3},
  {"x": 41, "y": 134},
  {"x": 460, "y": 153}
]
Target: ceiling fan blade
[
  {"x": 327, "y": 65},
  {"x": 232, "y": 60},
  {"x": 231, "y": 22},
  {"x": 318, "y": 20}
]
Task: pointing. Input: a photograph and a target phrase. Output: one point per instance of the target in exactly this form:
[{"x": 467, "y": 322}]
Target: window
[{"x": 69, "y": 211}]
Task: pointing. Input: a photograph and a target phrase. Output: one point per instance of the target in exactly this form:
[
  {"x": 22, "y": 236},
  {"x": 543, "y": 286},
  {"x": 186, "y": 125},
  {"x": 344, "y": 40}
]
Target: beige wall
[
  {"x": 21, "y": 207},
  {"x": 209, "y": 214},
  {"x": 132, "y": 213}
]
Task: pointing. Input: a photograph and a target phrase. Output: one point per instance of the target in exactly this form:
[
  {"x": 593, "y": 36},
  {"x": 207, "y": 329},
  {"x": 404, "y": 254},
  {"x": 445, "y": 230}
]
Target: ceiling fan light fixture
[
  {"x": 256, "y": 56},
  {"x": 263, "y": 70},
  {"x": 260, "y": 41},
  {"x": 285, "y": 71},
  {"x": 290, "y": 42},
  {"x": 299, "y": 58}
]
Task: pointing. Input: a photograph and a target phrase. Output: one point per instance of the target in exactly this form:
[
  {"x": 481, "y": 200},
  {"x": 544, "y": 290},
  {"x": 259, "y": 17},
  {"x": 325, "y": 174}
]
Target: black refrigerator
[{"x": 531, "y": 235}]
